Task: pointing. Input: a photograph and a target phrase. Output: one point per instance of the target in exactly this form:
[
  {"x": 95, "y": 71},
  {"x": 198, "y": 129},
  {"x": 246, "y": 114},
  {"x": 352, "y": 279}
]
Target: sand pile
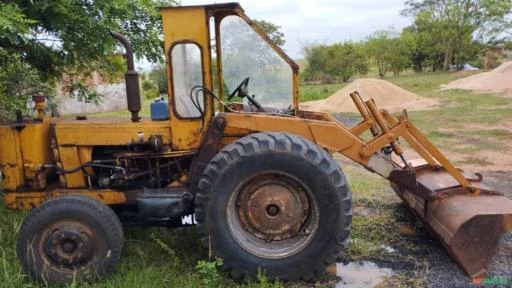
[
  {"x": 498, "y": 80},
  {"x": 385, "y": 94}
]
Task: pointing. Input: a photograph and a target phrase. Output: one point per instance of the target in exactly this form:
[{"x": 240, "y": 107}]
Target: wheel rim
[
  {"x": 272, "y": 215},
  {"x": 68, "y": 245}
]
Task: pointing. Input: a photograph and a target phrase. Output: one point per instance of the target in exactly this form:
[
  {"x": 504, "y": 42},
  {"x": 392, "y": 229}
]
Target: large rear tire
[
  {"x": 277, "y": 202},
  {"x": 70, "y": 237}
]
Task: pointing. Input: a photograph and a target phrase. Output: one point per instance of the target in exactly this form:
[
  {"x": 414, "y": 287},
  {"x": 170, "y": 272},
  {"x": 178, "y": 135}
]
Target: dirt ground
[
  {"x": 386, "y": 94},
  {"x": 494, "y": 81},
  {"x": 420, "y": 254}
]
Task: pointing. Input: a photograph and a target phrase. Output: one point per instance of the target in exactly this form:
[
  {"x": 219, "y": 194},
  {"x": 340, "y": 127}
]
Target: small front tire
[{"x": 72, "y": 237}]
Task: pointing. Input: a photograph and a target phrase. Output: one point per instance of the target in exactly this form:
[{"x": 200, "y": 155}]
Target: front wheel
[
  {"x": 277, "y": 202},
  {"x": 70, "y": 237}
]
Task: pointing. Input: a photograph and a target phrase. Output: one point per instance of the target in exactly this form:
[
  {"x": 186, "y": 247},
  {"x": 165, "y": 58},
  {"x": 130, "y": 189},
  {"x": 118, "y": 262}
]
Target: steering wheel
[{"x": 241, "y": 90}]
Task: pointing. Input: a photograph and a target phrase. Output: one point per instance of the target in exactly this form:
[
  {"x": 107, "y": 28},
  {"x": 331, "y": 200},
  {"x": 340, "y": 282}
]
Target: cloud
[{"x": 323, "y": 21}]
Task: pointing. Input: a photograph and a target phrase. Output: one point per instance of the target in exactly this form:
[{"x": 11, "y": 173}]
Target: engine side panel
[
  {"x": 11, "y": 161},
  {"x": 24, "y": 150},
  {"x": 76, "y": 140},
  {"x": 36, "y": 152}
]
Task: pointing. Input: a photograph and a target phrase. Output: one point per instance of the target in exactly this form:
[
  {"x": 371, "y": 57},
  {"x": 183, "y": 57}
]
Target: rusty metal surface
[
  {"x": 69, "y": 245},
  {"x": 272, "y": 208},
  {"x": 469, "y": 226},
  {"x": 262, "y": 230},
  {"x": 29, "y": 200},
  {"x": 209, "y": 148},
  {"x": 131, "y": 78}
]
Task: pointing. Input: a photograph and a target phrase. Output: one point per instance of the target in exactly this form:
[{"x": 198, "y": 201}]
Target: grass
[
  {"x": 377, "y": 216},
  {"x": 474, "y": 160},
  {"x": 457, "y": 107},
  {"x": 156, "y": 257},
  {"x": 152, "y": 257},
  {"x": 447, "y": 124},
  {"x": 373, "y": 219},
  {"x": 318, "y": 92}
]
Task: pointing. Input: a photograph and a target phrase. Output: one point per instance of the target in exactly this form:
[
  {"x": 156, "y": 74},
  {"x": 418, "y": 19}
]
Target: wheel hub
[
  {"x": 272, "y": 207},
  {"x": 69, "y": 245}
]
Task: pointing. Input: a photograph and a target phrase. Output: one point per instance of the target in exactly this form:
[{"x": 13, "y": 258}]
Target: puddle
[{"x": 361, "y": 275}]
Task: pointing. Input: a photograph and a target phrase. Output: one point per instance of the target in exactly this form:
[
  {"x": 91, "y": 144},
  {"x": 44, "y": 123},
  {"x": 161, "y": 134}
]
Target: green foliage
[
  {"x": 52, "y": 38},
  {"x": 13, "y": 21},
  {"x": 445, "y": 35},
  {"x": 75, "y": 34},
  {"x": 81, "y": 93},
  {"x": 246, "y": 54},
  {"x": 18, "y": 82},
  {"x": 272, "y": 30},
  {"x": 209, "y": 271},
  {"x": 149, "y": 89},
  {"x": 389, "y": 51},
  {"x": 264, "y": 283},
  {"x": 164, "y": 246},
  {"x": 317, "y": 92},
  {"x": 159, "y": 76},
  {"x": 451, "y": 33},
  {"x": 334, "y": 63}
]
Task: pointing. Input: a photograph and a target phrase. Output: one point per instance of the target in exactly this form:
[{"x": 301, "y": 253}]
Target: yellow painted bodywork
[
  {"x": 24, "y": 152},
  {"x": 11, "y": 159},
  {"x": 188, "y": 25},
  {"x": 30, "y": 200},
  {"x": 75, "y": 139},
  {"x": 108, "y": 131}
]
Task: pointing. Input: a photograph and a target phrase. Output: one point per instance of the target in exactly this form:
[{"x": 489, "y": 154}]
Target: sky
[{"x": 322, "y": 21}]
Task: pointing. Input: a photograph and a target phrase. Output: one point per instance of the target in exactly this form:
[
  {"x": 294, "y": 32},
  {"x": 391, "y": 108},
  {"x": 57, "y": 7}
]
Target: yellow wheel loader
[{"x": 257, "y": 174}]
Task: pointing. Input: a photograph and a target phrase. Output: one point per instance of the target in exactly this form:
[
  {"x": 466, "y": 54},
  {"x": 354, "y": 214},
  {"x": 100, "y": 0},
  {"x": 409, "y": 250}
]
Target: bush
[
  {"x": 158, "y": 75},
  {"x": 18, "y": 82},
  {"x": 209, "y": 271},
  {"x": 149, "y": 89}
]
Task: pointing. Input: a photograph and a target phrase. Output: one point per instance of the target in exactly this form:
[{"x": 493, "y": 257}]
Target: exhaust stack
[{"x": 131, "y": 78}]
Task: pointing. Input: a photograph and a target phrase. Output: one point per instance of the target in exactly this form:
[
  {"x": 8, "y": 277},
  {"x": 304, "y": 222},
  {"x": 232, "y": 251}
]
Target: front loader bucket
[
  {"x": 468, "y": 218},
  {"x": 468, "y": 225}
]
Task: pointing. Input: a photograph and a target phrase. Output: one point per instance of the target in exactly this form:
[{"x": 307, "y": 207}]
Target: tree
[
  {"x": 272, "y": 30},
  {"x": 334, "y": 63},
  {"x": 389, "y": 52},
  {"x": 399, "y": 57},
  {"x": 456, "y": 23},
  {"x": 56, "y": 37},
  {"x": 246, "y": 54},
  {"x": 378, "y": 46},
  {"x": 158, "y": 75}
]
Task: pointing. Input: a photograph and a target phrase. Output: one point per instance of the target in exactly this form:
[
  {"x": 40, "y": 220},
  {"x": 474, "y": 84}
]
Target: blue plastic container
[{"x": 159, "y": 110}]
